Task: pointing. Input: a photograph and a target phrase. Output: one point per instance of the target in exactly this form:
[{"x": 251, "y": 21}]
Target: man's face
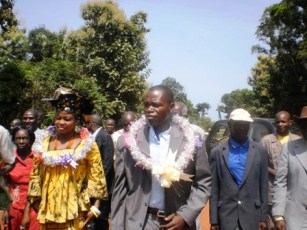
[
  {"x": 282, "y": 122},
  {"x": 127, "y": 121},
  {"x": 110, "y": 126},
  {"x": 15, "y": 123},
  {"x": 30, "y": 120},
  {"x": 239, "y": 130},
  {"x": 157, "y": 109}
]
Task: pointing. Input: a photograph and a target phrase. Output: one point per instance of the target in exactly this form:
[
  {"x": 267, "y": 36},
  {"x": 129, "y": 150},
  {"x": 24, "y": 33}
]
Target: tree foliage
[
  {"x": 177, "y": 88},
  {"x": 240, "y": 98},
  {"x": 201, "y": 108},
  {"x": 112, "y": 49},
  {"x": 196, "y": 115},
  {"x": 284, "y": 34},
  {"x": 106, "y": 58}
]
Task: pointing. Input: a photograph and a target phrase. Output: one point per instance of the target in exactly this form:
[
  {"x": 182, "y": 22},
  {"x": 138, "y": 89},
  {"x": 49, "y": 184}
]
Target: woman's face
[
  {"x": 65, "y": 122},
  {"x": 22, "y": 139}
]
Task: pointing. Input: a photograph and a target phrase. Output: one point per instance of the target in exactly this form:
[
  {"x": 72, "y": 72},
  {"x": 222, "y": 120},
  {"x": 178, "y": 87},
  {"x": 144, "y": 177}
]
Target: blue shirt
[
  {"x": 237, "y": 159},
  {"x": 159, "y": 147}
]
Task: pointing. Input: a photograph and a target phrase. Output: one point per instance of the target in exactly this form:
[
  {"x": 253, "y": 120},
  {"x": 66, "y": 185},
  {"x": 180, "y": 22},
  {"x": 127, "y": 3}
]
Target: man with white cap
[{"x": 239, "y": 196}]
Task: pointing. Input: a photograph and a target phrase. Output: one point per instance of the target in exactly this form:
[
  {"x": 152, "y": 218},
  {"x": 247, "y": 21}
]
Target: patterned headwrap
[{"x": 71, "y": 100}]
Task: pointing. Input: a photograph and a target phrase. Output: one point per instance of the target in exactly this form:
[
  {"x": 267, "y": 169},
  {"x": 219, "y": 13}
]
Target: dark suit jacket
[
  {"x": 247, "y": 204},
  {"x": 132, "y": 186},
  {"x": 106, "y": 148}
]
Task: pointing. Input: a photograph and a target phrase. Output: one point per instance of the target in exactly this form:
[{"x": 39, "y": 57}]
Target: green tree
[
  {"x": 7, "y": 17},
  {"x": 13, "y": 42},
  {"x": 283, "y": 32},
  {"x": 201, "y": 108},
  {"x": 11, "y": 92},
  {"x": 177, "y": 88},
  {"x": 45, "y": 44},
  {"x": 260, "y": 82},
  {"x": 112, "y": 49},
  {"x": 240, "y": 98}
]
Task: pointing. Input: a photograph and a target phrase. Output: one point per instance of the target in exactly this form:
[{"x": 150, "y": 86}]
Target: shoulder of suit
[{"x": 293, "y": 136}]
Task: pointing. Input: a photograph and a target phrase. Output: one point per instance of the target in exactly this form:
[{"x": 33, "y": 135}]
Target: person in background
[
  {"x": 162, "y": 179},
  {"x": 67, "y": 176},
  {"x": 30, "y": 120},
  {"x": 182, "y": 110},
  {"x": 19, "y": 177},
  {"x": 14, "y": 124},
  {"x": 289, "y": 191},
  {"x": 110, "y": 126},
  {"x": 273, "y": 144},
  {"x": 106, "y": 148},
  {"x": 127, "y": 119},
  {"x": 239, "y": 167},
  {"x": 7, "y": 163},
  {"x": 40, "y": 118}
]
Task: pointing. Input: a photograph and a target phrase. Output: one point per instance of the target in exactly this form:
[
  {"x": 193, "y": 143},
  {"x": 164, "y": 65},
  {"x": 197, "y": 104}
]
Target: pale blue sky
[{"x": 204, "y": 44}]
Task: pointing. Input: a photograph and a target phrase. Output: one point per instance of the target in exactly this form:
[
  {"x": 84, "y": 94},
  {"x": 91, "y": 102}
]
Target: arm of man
[
  {"x": 200, "y": 189},
  {"x": 106, "y": 148},
  {"x": 264, "y": 189},
  {"x": 118, "y": 209},
  {"x": 214, "y": 190},
  {"x": 6, "y": 149}
]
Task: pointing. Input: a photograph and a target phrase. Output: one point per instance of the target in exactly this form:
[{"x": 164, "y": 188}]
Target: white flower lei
[
  {"x": 67, "y": 158},
  {"x": 146, "y": 161}
]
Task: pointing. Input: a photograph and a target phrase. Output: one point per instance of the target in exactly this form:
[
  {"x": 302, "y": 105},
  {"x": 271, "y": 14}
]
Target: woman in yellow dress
[{"x": 68, "y": 180}]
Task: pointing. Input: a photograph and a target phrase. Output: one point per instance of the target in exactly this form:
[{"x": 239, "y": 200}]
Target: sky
[{"x": 205, "y": 45}]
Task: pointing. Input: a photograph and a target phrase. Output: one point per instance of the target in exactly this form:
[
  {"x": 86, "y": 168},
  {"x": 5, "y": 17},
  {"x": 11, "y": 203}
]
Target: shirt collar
[
  {"x": 163, "y": 135},
  {"x": 235, "y": 144},
  {"x": 94, "y": 134}
]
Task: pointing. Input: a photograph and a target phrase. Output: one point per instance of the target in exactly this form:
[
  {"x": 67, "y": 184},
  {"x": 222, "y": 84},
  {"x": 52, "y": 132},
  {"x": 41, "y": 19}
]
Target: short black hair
[{"x": 169, "y": 93}]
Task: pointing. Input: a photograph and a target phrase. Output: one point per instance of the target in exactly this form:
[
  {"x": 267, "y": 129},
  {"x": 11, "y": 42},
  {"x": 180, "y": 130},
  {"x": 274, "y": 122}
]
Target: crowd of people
[{"x": 154, "y": 173}]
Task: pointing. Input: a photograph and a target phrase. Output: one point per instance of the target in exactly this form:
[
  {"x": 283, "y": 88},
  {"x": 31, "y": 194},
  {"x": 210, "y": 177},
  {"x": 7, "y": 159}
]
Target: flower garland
[
  {"x": 169, "y": 171},
  {"x": 67, "y": 158}
]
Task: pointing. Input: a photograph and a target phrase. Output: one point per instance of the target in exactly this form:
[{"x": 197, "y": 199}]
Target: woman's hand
[
  {"x": 89, "y": 216},
  {"x": 26, "y": 217}
]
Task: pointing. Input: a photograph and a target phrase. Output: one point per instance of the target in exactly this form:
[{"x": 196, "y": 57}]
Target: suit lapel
[
  {"x": 175, "y": 142},
  {"x": 249, "y": 161},
  {"x": 300, "y": 150},
  {"x": 225, "y": 155},
  {"x": 143, "y": 140}
]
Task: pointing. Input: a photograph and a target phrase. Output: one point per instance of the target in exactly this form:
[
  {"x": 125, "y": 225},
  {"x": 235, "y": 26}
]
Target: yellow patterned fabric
[{"x": 61, "y": 193}]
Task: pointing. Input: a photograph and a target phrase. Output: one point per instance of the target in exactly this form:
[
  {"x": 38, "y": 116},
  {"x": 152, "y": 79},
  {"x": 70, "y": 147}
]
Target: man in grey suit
[
  {"x": 239, "y": 199},
  {"x": 290, "y": 196},
  {"x": 162, "y": 177}
]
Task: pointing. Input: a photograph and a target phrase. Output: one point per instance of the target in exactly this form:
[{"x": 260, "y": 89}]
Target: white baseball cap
[{"x": 240, "y": 115}]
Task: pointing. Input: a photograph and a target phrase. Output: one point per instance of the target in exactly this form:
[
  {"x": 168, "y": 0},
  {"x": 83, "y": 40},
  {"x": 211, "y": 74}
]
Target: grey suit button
[
  {"x": 239, "y": 202},
  {"x": 145, "y": 204},
  {"x": 141, "y": 225}
]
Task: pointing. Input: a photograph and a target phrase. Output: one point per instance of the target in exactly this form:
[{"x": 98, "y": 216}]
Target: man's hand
[
  {"x": 175, "y": 222},
  {"x": 262, "y": 226},
  {"x": 214, "y": 227},
  {"x": 280, "y": 225}
]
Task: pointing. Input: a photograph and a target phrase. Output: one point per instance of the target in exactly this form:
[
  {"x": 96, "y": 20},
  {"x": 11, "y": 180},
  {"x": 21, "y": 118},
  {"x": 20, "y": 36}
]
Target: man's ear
[{"x": 171, "y": 106}]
